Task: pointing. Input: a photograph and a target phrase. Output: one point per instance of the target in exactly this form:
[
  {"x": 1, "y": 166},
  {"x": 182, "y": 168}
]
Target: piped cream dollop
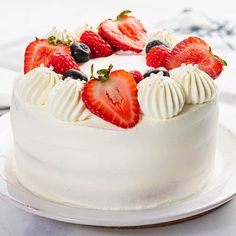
[
  {"x": 165, "y": 36},
  {"x": 79, "y": 31},
  {"x": 37, "y": 84},
  {"x": 160, "y": 97},
  {"x": 57, "y": 36},
  {"x": 65, "y": 101},
  {"x": 198, "y": 86}
]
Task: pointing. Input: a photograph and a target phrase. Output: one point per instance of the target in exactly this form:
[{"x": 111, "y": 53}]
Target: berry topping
[
  {"x": 75, "y": 74},
  {"x": 137, "y": 75},
  {"x": 194, "y": 50},
  {"x": 113, "y": 97},
  {"x": 98, "y": 46},
  {"x": 152, "y": 44},
  {"x": 156, "y": 71},
  {"x": 157, "y": 56},
  {"x": 62, "y": 62},
  {"x": 125, "y": 33},
  {"x": 80, "y": 51},
  {"x": 39, "y": 51}
]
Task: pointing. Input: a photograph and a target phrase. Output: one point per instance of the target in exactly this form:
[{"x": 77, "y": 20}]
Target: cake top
[{"x": 171, "y": 73}]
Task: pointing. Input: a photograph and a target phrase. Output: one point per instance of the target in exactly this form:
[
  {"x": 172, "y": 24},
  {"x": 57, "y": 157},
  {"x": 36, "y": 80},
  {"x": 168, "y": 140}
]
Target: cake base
[
  {"x": 98, "y": 165},
  {"x": 220, "y": 190}
]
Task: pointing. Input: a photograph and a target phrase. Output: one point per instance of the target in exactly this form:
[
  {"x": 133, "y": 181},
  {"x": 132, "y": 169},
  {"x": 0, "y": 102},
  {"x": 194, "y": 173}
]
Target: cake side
[{"x": 70, "y": 163}]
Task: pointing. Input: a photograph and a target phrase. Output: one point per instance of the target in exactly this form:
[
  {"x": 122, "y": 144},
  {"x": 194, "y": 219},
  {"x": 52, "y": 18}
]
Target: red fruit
[
  {"x": 194, "y": 50},
  {"x": 98, "y": 46},
  {"x": 157, "y": 56},
  {"x": 125, "y": 33},
  {"x": 137, "y": 75},
  {"x": 39, "y": 51},
  {"x": 62, "y": 62},
  {"x": 113, "y": 97}
]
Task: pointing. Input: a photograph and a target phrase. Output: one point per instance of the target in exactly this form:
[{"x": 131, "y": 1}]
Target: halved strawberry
[
  {"x": 113, "y": 97},
  {"x": 39, "y": 51},
  {"x": 125, "y": 33},
  {"x": 194, "y": 50}
]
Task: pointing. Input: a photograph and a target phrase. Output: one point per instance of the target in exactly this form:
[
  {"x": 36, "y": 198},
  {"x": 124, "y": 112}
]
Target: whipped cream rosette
[
  {"x": 160, "y": 97},
  {"x": 197, "y": 85},
  {"x": 65, "y": 102},
  {"x": 57, "y": 36},
  {"x": 79, "y": 31},
  {"x": 37, "y": 84},
  {"x": 165, "y": 36}
]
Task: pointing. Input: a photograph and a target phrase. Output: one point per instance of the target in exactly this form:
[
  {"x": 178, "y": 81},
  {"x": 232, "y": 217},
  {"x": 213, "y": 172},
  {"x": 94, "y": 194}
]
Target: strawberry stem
[
  {"x": 222, "y": 61},
  {"x": 103, "y": 74},
  {"x": 123, "y": 13},
  {"x": 52, "y": 40},
  {"x": 92, "y": 70}
]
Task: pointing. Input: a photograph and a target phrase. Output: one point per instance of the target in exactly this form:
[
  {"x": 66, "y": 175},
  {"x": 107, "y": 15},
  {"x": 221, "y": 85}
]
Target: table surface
[
  {"x": 15, "y": 20},
  {"x": 14, "y": 222}
]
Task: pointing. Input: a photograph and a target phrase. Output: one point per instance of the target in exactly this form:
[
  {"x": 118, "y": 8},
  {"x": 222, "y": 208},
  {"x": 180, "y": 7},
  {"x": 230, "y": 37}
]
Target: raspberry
[{"x": 157, "y": 56}]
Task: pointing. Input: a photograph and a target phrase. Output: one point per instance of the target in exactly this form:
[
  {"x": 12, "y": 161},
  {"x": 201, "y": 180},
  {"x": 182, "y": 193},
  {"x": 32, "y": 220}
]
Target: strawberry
[
  {"x": 62, "y": 62},
  {"x": 125, "y": 33},
  {"x": 157, "y": 56},
  {"x": 39, "y": 51},
  {"x": 137, "y": 75},
  {"x": 98, "y": 46},
  {"x": 194, "y": 50},
  {"x": 113, "y": 97}
]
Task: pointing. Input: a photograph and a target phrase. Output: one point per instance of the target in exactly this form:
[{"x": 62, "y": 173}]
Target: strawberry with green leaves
[
  {"x": 112, "y": 96},
  {"x": 39, "y": 51},
  {"x": 194, "y": 50},
  {"x": 126, "y": 33}
]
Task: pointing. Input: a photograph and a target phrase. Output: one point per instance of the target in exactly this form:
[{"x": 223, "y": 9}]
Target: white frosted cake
[{"x": 135, "y": 136}]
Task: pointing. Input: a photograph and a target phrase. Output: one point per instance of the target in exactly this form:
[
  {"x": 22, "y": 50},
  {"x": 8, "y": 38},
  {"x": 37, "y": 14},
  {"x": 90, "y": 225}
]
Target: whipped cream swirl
[
  {"x": 164, "y": 36},
  {"x": 160, "y": 97},
  {"x": 37, "y": 84},
  {"x": 79, "y": 31},
  {"x": 57, "y": 36},
  {"x": 65, "y": 101},
  {"x": 198, "y": 86}
]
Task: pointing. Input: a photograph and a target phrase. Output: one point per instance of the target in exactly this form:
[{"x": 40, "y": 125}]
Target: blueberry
[
  {"x": 156, "y": 71},
  {"x": 80, "y": 52},
  {"x": 75, "y": 74},
  {"x": 154, "y": 43}
]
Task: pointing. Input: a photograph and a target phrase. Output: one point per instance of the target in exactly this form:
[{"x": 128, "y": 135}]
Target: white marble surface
[
  {"x": 15, "y": 222},
  {"x": 21, "y": 20}
]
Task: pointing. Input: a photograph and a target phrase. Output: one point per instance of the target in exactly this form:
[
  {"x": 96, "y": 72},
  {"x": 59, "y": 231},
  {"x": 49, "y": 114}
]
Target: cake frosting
[
  {"x": 37, "y": 85},
  {"x": 65, "y": 102},
  {"x": 160, "y": 97},
  {"x": 95, "y": 127},
  {"x": 71, "y": 163},
  {"x": 165, "y": 36},
  {"x": 57, "y": 36},
  {"x": 198, "y": 86}
]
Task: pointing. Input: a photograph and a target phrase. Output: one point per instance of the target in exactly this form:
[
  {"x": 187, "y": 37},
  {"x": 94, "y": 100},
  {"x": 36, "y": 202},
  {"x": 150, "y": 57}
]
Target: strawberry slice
[
  {"x": 126, "y": 33},
  {"x": 113, "y": 97},
  {"x": 39, "y": 51},
  {"x": 194, "y": 50}
]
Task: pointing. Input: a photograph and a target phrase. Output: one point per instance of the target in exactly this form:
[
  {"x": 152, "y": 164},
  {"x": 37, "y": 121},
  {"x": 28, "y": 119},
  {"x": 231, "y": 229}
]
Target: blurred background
[{"x": 21, "y": 21}]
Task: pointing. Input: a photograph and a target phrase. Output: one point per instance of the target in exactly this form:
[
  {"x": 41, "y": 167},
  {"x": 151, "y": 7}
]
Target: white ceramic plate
[{"x": 221, "y": 189}]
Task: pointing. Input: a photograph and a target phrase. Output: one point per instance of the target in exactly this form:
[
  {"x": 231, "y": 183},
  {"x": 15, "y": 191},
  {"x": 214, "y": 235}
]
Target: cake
[{"x": 138, "y": 133}]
